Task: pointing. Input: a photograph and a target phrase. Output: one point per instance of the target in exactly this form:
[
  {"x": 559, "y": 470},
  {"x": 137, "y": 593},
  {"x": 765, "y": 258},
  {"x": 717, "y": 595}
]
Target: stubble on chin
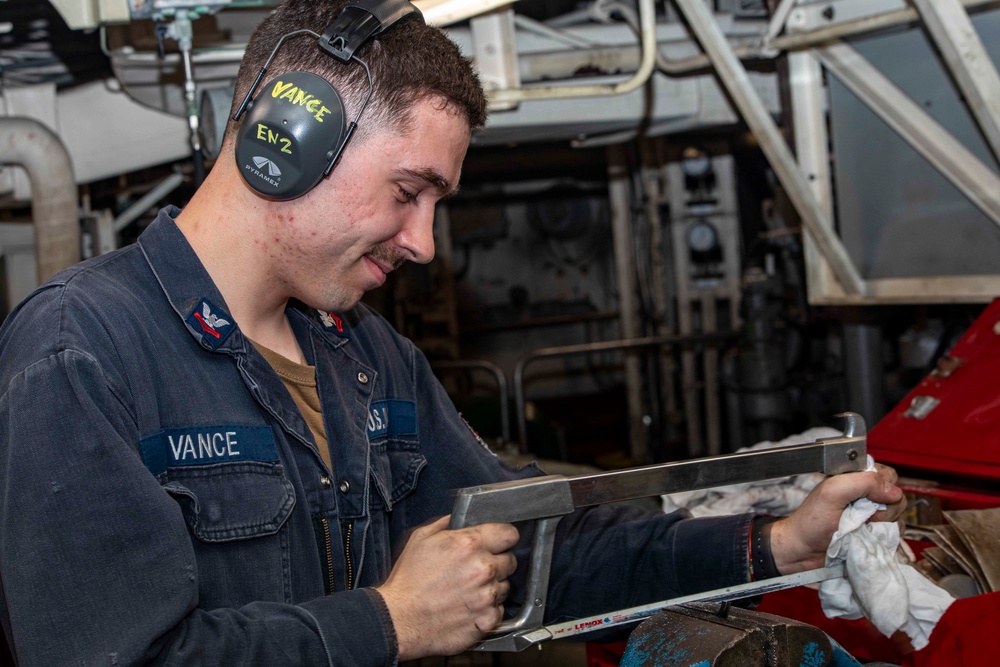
[{"x": 340, "y": 298}]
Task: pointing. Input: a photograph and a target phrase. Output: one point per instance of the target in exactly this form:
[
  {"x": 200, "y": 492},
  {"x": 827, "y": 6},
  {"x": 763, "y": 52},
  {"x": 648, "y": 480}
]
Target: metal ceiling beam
[
  {"x": 778, "y": 18},
  {"x": 966, "y": 58},
  {"x": 736, "y": 81},
  {"x": 945, "y": 153},
  {"x": 446, "y": 12},
  {"x": 808, "y": 26}
]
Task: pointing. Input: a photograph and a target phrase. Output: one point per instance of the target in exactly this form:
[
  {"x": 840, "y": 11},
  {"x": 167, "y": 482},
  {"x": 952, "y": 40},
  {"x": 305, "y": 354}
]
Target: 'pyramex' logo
[{"x": 273, "y": 175}]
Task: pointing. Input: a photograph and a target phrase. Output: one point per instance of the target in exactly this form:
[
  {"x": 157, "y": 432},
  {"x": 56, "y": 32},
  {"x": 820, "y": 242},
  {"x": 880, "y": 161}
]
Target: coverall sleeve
[{"x": 96, "y": 560}]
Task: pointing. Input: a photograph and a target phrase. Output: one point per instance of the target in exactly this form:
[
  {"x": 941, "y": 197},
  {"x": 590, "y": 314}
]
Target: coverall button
[
  {"x": 345, "y": 486},
  {"x": 362, "y": 378},
  {"x": 325, "y": 481}
]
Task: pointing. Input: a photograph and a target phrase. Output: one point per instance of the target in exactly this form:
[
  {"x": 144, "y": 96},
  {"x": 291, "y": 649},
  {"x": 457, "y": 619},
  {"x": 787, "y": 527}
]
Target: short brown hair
[{"x": 409, "y": 62}]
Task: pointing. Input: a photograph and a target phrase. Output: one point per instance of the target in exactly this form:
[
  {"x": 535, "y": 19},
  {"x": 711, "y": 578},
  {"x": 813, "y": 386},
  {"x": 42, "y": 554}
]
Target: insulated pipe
[
  {"x": 647, "y": 29},
  {"x": 28, "y": 143},
  {"x": 765, "y": 48}
]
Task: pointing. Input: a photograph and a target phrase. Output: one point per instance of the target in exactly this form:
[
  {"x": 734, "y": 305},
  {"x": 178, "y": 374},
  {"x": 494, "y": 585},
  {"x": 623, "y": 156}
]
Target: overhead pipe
[
  {"x": 29, "y": 144},
  {"x": 804, "y": 39},
  {"x": 647, "y": 29},
  {"x": 537, "y": 27},
  {"x": 766, "y": 47},
  {"x": 446, "y": 12}
]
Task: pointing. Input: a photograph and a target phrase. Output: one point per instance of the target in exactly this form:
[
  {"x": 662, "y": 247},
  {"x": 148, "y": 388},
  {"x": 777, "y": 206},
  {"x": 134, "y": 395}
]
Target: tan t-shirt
[{"x": 300, "y": 380}]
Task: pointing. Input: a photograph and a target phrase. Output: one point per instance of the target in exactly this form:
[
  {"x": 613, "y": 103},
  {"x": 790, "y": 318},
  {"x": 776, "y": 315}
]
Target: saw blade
[{"x": 518, "y": 641}]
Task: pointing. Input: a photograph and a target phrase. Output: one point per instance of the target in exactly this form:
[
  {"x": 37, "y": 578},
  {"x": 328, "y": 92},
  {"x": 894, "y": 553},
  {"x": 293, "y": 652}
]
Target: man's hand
[
  {"x": 799, "y": 541},
  {"x": 447, "y": 589}
]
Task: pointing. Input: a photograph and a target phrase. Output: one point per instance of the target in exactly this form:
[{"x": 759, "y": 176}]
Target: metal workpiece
[{"x": 547, "y": 499}]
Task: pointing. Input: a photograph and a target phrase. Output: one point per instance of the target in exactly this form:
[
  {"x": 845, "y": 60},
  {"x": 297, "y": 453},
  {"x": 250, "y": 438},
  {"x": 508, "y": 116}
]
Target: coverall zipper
[
  {"x": 329, "y": 554},
  {"x": 347, "y": 555}
]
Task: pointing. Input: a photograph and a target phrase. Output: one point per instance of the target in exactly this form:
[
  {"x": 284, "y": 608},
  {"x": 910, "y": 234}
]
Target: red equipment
[{"x": 946, "y": 430}]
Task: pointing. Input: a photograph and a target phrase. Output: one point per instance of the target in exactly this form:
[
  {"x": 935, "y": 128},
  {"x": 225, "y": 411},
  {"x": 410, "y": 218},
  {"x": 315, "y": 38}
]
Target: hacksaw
[{"x": 545, "y": 500}]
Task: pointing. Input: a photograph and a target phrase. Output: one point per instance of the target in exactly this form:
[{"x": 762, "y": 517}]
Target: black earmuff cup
[{"x": 291, "y": 131}]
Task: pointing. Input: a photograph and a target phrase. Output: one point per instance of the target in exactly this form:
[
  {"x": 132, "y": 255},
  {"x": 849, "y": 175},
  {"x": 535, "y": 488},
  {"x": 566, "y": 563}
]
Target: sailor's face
[{"x": 375, "y": 211}]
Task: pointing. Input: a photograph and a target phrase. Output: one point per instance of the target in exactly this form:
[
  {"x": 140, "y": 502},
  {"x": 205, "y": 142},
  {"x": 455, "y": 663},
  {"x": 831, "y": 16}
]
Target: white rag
[
  {"x": 776, "y": 497},
  {"x": 892, "y": 595}
]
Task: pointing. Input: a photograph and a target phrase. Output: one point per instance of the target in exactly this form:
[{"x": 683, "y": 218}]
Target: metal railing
[
  {"x": 591, "y": 348},
  {"x": 492, "y": 369}
]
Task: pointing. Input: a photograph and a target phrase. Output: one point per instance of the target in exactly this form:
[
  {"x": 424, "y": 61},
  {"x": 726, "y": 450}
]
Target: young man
[{"x": 212, "y": 455}]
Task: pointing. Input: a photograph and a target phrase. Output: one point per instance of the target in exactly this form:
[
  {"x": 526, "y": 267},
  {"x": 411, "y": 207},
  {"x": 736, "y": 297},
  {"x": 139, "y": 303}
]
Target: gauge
[
  {"x": 696, "y": 163},
  {"x": 702, "y": 237}
]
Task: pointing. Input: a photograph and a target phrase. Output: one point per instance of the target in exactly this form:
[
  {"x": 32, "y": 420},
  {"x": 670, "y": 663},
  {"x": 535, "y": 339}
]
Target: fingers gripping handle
[{"x": 543, "y": 499}]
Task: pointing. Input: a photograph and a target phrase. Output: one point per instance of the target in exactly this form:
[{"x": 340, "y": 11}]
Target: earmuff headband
[{"x": 360, "y": 21}]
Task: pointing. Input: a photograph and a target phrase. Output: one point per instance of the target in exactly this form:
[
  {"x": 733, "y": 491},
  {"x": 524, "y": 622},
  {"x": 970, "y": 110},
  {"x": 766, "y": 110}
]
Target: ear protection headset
[{"x": 296, "y": 130}]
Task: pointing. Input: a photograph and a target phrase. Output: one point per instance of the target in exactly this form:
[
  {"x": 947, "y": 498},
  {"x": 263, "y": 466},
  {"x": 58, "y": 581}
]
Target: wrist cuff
[
  {"x": 392, "y": 641},
  {"x": 762, "y": 560}
]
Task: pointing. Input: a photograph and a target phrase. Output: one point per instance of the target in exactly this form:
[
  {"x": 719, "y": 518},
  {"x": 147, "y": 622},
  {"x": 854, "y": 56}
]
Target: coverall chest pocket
[
  {"x": 395, "y": 449},
  {"x": 232, "y": 501},
  {"x": 235, "y": 512},
  {"x": 227, "y": 479},
  {"x": 395, "y": 469}
]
